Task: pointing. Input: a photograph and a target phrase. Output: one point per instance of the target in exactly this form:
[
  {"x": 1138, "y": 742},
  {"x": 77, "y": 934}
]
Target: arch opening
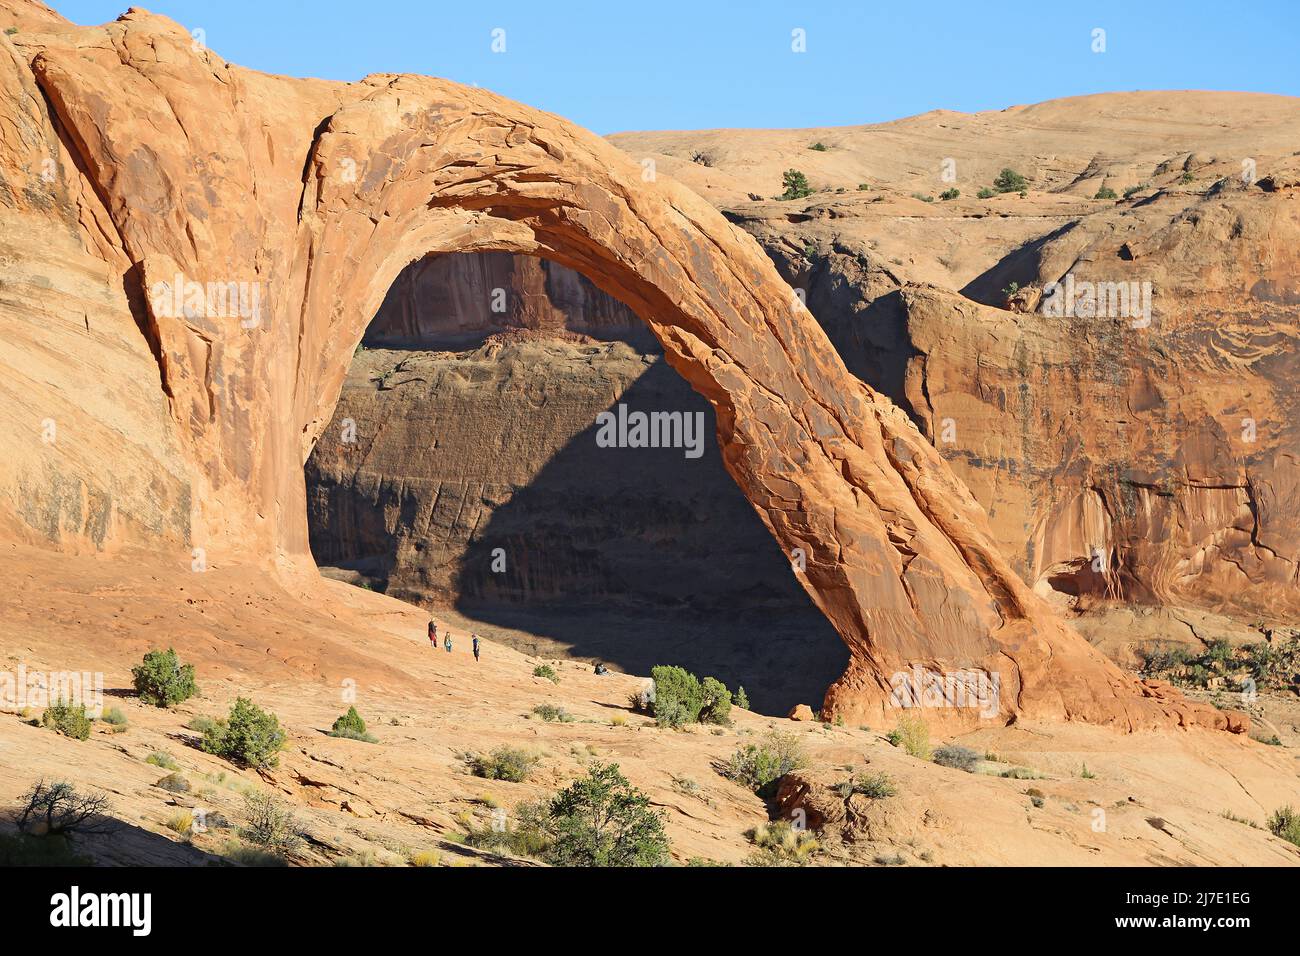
[{"x": 465, "y": 470}]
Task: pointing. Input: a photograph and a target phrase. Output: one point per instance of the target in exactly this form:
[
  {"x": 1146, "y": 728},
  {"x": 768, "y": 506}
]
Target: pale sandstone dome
[{"x": 172, "y": 161}]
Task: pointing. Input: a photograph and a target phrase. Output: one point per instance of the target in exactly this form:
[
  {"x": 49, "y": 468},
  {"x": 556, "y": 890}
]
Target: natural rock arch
[{"x": 323, "y": 192}]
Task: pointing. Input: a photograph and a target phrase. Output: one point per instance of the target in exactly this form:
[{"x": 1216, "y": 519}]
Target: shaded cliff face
[{"x": 472, "y": 478}]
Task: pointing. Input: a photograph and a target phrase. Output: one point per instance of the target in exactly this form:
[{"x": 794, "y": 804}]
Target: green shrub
[
  {"x": 550, "y": 713},
  {"x": 249, "y": 737},
  {"x": 986, "y": 193},
  {"x": 1285, "y": 823},
  {"x": 1010, "y": 181},
  {"x": 68, "y": 719},
  {"x": 162, "y": 680},
  {"x": 818, "y": 146},
  {"x": 600, "y": 820},
  {"x": 759, "y": 766},
  {"x": 716, "y": 707},
  {"x": 950, "y": 194},
  {"x": 1186, "y": 178},
  {"x": 796, "y": 185},
  {"x": 241, "y": 853},
  {"x": 780, "y": 844},
  {"x": 114, "y": 717},
  {"x": 1134, "y": 189},
  {"x": 547, "y": 671},
  {"x": 512, "y": 764},
  {"x": 912, "y": 735},
  {"x": 160, "y": 758},
  {"x": 678, "y": 697},
  {"x": 1021, "y": 773},
  {"x": 740, "y": 698},
  {"x": 351, "y": 726},
  {"x": 863, "y": 187},
  {"x": 876, "y": 786},
  {"x": 923, "y": 197},
  {"x": 1105, "y": 192},
  {"x": 957, "y": 757}
]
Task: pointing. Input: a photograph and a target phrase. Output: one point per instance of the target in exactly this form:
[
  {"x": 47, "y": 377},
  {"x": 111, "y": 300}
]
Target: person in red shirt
[{"x": 433, "y": 634}]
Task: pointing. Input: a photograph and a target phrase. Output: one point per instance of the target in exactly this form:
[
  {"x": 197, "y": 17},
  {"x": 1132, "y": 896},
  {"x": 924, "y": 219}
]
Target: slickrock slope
[
  {"x": 311, "y": 197},
  {"x": 1150, "y": 799},
  {"x": 1119, "y": 459}
]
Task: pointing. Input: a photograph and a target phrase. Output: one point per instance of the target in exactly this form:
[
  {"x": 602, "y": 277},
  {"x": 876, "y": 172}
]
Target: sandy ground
[{"x": 1151, "y": 799}]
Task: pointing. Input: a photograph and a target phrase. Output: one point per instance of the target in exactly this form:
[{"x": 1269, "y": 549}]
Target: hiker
[
  {"x": 433, "y": 634},
  {"x": 447, "y": 642},
  {"x": 475, "y": 647},
  {"x": 601, "y": 668}
]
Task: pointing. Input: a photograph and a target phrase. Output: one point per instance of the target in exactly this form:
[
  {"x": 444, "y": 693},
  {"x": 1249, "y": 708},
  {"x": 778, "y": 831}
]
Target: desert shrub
[
  {"x": 759, "y": 766},
  {"x": 863, "y": 187},
  {"x": 780, "y": 844},
  {"x": 511, "y": 764},
  {"x": 618, "y": 720},
  {"x": 876, "y": 786},
  {"x": 912, "y": 735},
  {"x": 68, "y": 719},
  {"x": 351, "y": 726},
  {"x": 160, "y": 758},
  {"x": 986, "y": 193},
  {"x": 249, "y": 737},
  {"x": 950, "y": 194},
  {"x": 740, "y": 698},
  {"x": 600, "y": 820},
  {"x": 818, "y": 146},
  {"x": 1285, "y": 823},
  {"x": 923, "y": 197},
  {"x": 547, "y": 671},
  {"x": 114, "y": 717},
  {"x": 162, "y": 680},
  {"x": 1105, "y": 192},
  {"x": 1021, "y": 773},
  {"x": 716, "y": 698},
  {"x": 269, "y": 824},
  {"x": 425, "y": 858},
  {"x": 550, "y": 713},
  {"x": 53, "y": 809},
  {"x": 174, "y": 783},
  {"x": 1186, "y": 178},
  {"x": 181, "y": 822},
  {"x": 796, "y": 185},
  {"x": 1010, "y": 181},
  {"x": 678, "y": 697},
  {"x": 239, "y": 852},
  {"x": 956, "y": 757},
  {"x": 1134, "y": 189}
]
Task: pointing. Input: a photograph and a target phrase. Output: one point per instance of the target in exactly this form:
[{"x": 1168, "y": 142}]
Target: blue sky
[{"x": 616, "y": 65}]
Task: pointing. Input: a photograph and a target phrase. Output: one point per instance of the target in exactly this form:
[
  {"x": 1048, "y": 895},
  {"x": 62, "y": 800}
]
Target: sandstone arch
[{"x": 320, "y": 193}]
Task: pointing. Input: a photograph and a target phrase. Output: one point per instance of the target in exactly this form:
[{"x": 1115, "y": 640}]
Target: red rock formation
[{"x": 311, "y": 197}]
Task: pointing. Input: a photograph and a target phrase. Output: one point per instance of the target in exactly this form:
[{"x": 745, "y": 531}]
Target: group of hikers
[
  {"x": 446, "y": 639},
  {"x": 446, "y": 643}
]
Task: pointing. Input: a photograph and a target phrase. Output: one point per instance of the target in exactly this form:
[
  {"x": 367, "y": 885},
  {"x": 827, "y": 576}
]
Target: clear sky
[{"x": 615, "y": 65}]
